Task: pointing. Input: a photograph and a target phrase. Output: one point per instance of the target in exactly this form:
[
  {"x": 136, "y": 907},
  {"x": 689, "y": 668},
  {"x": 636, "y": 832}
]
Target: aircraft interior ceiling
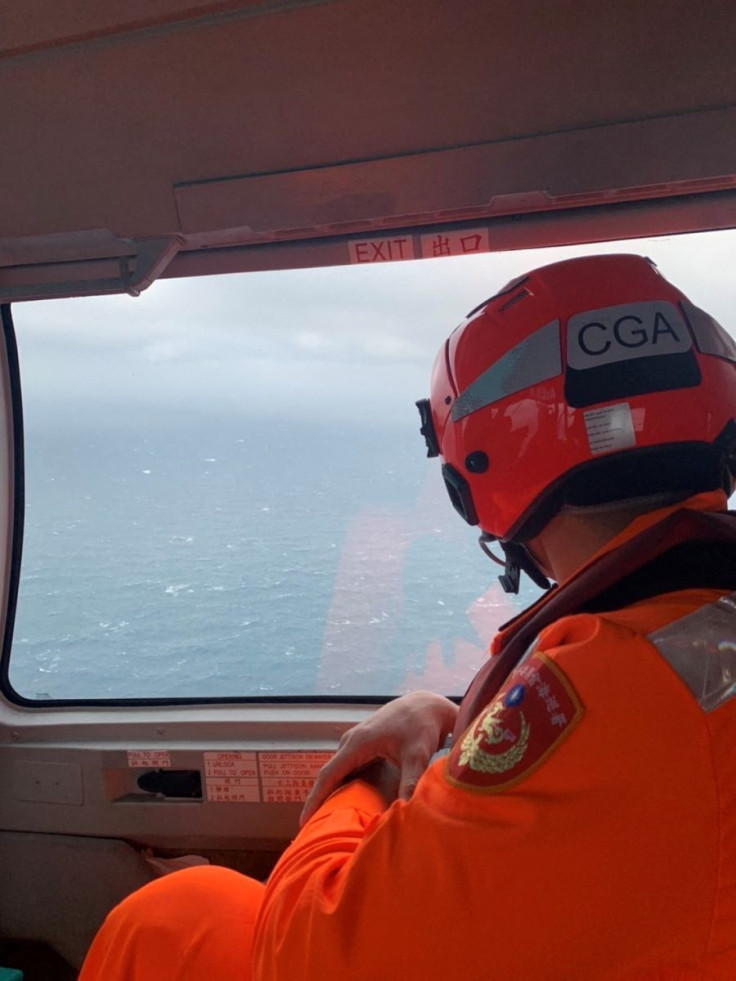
[{"x": 178, "y": 138}]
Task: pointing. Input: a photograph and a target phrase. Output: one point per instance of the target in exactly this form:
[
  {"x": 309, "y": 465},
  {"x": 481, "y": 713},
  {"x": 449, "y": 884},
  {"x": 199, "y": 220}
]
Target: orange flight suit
[{"x": 583, "y": 827}]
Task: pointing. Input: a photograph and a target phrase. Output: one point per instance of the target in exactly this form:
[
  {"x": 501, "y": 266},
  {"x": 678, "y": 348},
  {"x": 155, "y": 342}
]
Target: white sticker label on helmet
[
  {"x": 624, "y": 332},
  {"x": 610, "y": 429}
]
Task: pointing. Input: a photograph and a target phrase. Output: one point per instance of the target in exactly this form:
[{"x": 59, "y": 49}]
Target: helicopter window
[{"x": 226, "y": 490}]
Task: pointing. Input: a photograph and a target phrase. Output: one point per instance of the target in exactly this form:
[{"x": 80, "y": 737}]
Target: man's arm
[
  {"x": 405, "y": 732},
  {"x": 569, "y": 851}
]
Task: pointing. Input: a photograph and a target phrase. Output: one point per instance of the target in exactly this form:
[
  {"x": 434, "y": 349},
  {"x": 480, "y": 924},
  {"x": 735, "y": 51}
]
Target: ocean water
[{"x": 251, "y": 558}]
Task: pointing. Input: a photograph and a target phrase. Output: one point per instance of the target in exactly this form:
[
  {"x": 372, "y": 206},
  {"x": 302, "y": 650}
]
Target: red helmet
[{"x": 584, "y": 382}]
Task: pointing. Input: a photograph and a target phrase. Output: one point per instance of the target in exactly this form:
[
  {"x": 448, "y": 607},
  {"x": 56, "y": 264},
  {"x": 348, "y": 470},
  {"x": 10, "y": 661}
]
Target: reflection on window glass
[{"x": 227, "y": 493}]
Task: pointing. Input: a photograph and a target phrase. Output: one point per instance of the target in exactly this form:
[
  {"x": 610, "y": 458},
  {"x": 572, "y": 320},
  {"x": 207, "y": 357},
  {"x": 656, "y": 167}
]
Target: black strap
[
  {"x": 690, "y": 565},
  {"x": 629, "y": 573}
]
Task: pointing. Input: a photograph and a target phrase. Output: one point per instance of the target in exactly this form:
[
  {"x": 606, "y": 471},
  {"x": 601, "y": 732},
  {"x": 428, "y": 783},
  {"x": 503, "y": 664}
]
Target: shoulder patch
[{"x": 530, "y": 716}]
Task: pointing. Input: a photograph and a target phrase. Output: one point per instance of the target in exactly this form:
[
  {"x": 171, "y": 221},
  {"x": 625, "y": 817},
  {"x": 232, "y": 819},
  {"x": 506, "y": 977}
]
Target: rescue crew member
[{"x": 582, "y": 825}]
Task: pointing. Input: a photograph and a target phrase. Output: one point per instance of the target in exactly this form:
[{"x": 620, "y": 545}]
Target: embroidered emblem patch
[{"x": 533, "y": 712}]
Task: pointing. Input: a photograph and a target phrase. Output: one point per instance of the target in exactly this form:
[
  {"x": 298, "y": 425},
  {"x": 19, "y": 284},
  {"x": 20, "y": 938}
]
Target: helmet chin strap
[{"x": 517, "y": 559}]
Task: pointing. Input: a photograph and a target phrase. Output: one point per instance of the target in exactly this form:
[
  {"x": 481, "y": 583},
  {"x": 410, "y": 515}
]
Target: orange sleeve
[
  {"x": 597, "y": 861},
  {"x": 323, "y": 847},
  {"x": 325, "y": 842}
]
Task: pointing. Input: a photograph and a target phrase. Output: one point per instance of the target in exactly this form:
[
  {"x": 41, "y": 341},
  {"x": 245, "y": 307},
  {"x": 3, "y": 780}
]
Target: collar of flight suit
[
  {"x": 637, "y": 545},
  {"x": 708, "y": 501}
]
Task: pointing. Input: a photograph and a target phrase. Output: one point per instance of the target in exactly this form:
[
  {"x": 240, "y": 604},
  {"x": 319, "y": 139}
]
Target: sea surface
[{"x": 257, "y": 558}]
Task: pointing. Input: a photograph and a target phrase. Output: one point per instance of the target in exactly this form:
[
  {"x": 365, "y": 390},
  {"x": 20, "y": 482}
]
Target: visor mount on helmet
[
  {"x": 476, "y": 462},
  {"x": 427, "y": 427}
]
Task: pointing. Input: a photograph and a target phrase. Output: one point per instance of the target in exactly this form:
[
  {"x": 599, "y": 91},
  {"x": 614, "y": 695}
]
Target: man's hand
[{"x": 405, "y": 732}]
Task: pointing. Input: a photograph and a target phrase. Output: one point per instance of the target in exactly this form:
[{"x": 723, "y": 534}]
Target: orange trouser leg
[{"x": 193, "y": 925}]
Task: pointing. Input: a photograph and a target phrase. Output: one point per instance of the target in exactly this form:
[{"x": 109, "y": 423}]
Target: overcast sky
[{"x": 334, "y": 340}]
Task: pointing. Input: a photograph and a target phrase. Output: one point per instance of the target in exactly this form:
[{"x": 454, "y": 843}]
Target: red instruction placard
[
  {"x": 288, "y": 777},
  {"x": 149, "y": 758},
  {"x": 231, "y": 777}
]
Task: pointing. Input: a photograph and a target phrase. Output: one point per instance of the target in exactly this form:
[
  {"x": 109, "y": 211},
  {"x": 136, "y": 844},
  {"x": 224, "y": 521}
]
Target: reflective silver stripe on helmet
[
  {"x": 701, "y": 648},
  {"x": 534, "y": 360},
  {"x": 710, "y": 337}
]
